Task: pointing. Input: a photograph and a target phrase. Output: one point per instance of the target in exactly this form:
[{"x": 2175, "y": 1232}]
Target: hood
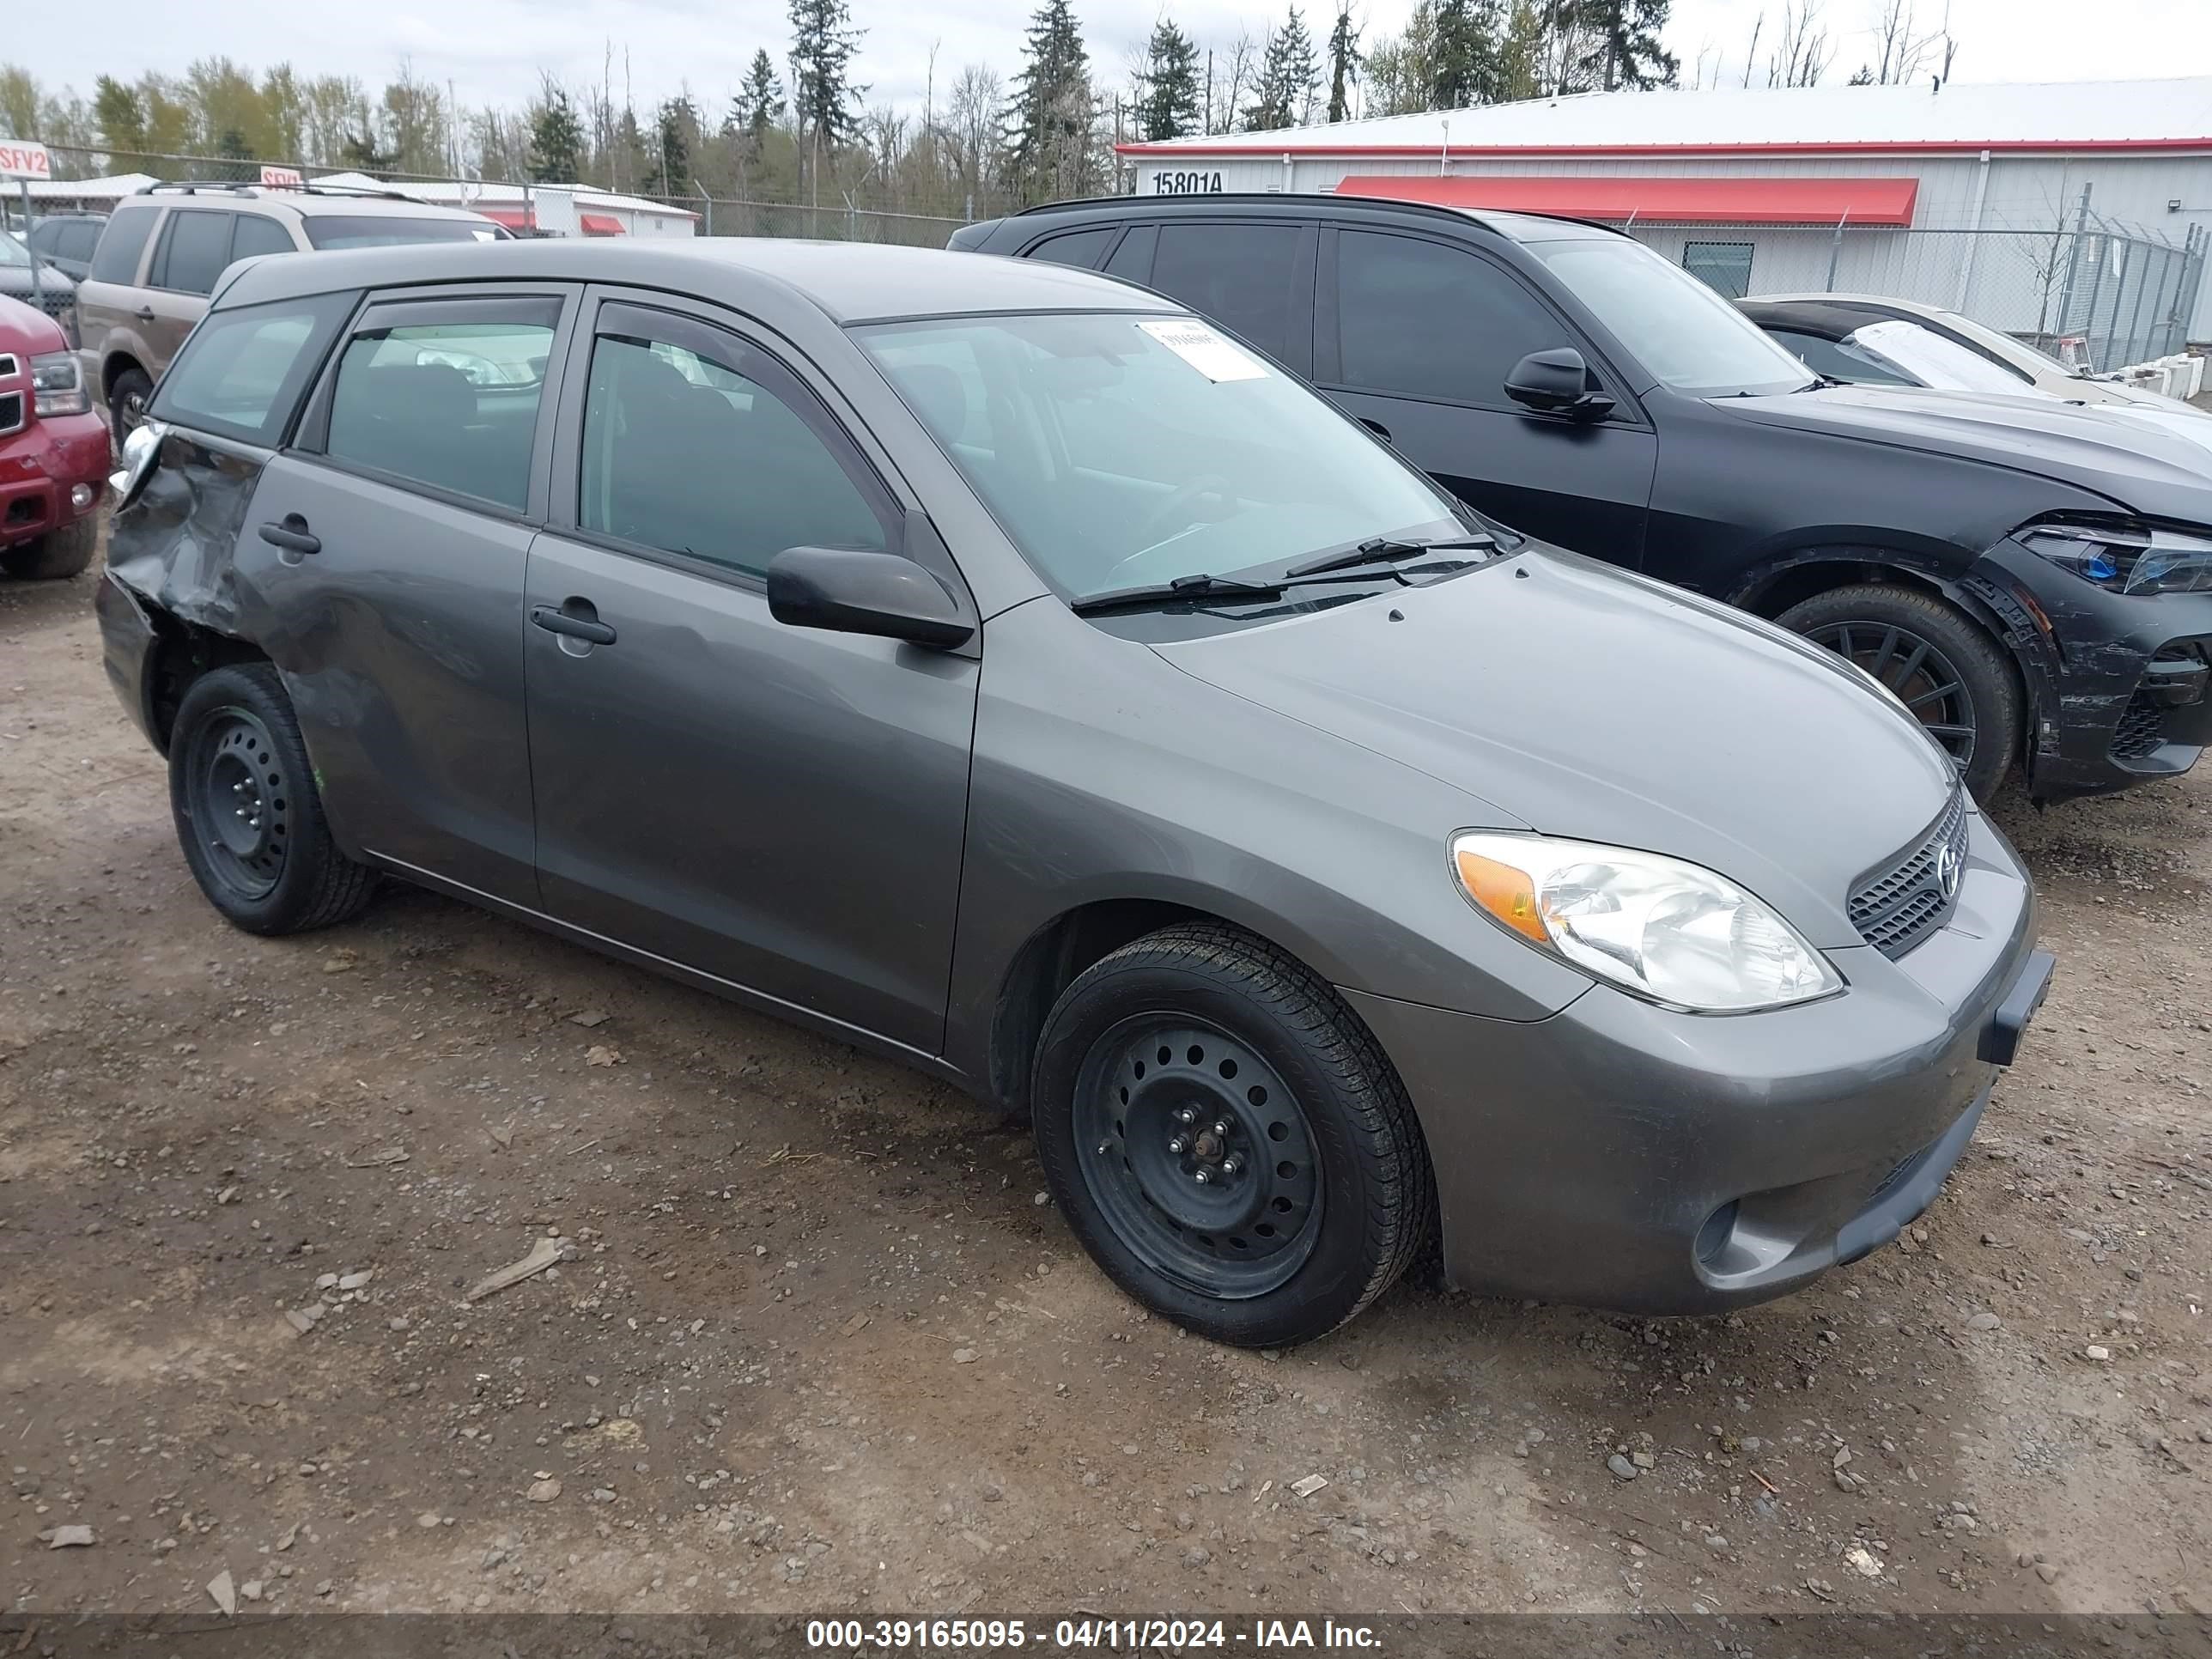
[
  {"x": 1579, "y": 700},
  {"x": 2091, "y": 447},
  {"x": 28, "y": 332}
]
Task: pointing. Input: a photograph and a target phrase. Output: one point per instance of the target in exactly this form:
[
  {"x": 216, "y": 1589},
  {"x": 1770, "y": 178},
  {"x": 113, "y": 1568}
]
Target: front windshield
[
  {"x": 1120, "y": 451},
  {"x": 1927, "y": 357},
  {"x": 1695, "y": 341}
]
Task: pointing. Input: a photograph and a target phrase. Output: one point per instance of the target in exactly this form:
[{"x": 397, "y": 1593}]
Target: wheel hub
[
  {"x": 240, "y": 802},
  {"x": 1202, "y": 1157}
]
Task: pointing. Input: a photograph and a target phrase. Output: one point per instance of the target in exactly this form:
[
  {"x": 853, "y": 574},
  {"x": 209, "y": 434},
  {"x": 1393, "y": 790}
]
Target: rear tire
[
  {"x": 56, "y": 554},
  {"x": 126, "y": 403},
  {"x": 248, "y": 816},
  {"x": 1317, "y": 1191},
  {"x": 1940, "y": 662}
]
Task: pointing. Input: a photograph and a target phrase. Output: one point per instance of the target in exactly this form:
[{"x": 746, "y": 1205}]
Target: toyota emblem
[{"x": 1948, "y": 870}]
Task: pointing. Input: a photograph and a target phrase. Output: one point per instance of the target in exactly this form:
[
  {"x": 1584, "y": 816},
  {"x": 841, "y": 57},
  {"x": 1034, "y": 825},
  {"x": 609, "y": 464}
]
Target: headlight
[
  {"x": 57, "y": 386},
  {"x": 2127, "y": 558},
  {"x": 1666, "y": 929}
]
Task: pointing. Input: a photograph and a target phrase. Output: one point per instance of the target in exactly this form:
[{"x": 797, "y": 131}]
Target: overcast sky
[{"x": 492, "y": 50}]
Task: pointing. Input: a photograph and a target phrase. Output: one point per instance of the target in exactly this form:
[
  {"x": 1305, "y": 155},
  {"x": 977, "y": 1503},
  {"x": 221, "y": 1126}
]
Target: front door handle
[
  {"x": 291, "y": 534},
  {"x": 1378, "y": 429},
  {"x": 576, "y": 620},
  {"x": 144, "y": 313}
]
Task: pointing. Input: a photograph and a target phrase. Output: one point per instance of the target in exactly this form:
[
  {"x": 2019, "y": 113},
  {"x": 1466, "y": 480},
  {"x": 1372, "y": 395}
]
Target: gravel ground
[{"x": 817, "y": 1343}]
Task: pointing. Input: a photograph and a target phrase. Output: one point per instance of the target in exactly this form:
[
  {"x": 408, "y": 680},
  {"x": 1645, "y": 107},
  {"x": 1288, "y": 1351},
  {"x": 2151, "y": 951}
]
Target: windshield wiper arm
[
  {"x": 1198, "y": 586},
  {"x": 1385, "y": 549}
]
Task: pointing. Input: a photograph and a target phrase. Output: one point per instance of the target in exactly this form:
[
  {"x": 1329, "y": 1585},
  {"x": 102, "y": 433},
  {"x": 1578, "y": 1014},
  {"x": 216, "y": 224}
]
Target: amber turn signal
[{"x": 1508, "y": 894}]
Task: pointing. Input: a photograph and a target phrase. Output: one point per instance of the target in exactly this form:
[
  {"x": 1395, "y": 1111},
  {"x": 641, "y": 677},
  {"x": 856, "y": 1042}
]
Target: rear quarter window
[
  {"x": 116, "y": 258},
  {"x": 241, "y": 373}
]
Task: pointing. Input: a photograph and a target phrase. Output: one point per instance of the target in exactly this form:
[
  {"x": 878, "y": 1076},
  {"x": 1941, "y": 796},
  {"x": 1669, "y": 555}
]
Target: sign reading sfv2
[
  {"x": 21, "y": 160},
  {"x": 1187, "y": 184}
]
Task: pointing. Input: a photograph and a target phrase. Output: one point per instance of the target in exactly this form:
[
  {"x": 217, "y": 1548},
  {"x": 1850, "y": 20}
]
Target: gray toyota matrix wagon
[{"x": 995, "y": 665}]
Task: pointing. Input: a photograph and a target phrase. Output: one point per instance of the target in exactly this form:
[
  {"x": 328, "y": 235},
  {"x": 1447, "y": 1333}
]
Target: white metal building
[
  {"x": 557, "y": 210},
  {"x": 1807, "y": 181}
]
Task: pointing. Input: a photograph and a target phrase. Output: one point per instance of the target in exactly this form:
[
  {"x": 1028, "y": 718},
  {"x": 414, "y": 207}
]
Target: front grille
[
  {"x": 2142, "y": 728},
  {"x": 11, "y": 412},
  {"x": 1894, "y": 908}
]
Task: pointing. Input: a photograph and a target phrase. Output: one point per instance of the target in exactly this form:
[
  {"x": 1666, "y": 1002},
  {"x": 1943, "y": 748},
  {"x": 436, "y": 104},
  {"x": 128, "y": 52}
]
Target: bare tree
[
  {"x": 1804, "y": 51},
  {"x": 1243, "y": 61},
  {"x": 1751, "y": 52},
  {"x": 1902, "y": 48}
]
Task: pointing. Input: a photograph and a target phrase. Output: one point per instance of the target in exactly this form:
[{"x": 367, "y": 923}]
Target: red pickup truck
[{"x": 53, "y": 450}]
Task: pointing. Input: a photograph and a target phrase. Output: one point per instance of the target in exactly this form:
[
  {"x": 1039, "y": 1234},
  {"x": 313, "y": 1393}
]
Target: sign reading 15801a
[{"x": 1187, "y": 184}]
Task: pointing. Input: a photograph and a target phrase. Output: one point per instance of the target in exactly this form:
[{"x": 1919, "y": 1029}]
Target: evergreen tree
[
  {"x": 1284, "y": 96},
  {"x": 1468, "y": 61},
  {"x": 556, "y": 139},
  {"x": 674, "y": 127},
  {"x": 1051, "y": 140},
  {"x": 1167, "y": 87},
  {"x": 823, "y": 42},
  {"x": 1625, "y": 49},
  {"x": 759, "y": 104},
  {"x": 121, "y": 115},
  {"x": 1343, "y": 64},
  {"x": 1521, "y": 56}
]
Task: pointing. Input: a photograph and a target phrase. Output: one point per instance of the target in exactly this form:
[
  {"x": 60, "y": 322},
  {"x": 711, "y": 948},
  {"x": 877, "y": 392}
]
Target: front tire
[
  {"x": 127, "y": 398},
  {"x": 1943, "y": 666},
  {"x": 56, "y": 554},
  {"x": 248, "y": 816},
  {"x": 1227, "y": 1140}
]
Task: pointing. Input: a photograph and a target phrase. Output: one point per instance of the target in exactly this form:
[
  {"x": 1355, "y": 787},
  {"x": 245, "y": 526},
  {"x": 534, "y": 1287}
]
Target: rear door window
[
  {"x": 1422, "y": 320},
  {"x": 445, "y": 394},
  {"x": 241, "y": 373},
  {"x": 1239, "y": 276},
  {"x": 116, "y": 258},
  {"x": 195, "y": 247}
]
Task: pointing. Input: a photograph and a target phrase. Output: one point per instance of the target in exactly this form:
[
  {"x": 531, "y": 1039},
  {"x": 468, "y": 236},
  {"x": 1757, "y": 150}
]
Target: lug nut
[
  {"x": 1231, "y": 1164},
  {"x": 1104, "y": 1147},
  {"x": 1185, "y": 1116},
  {"x": 1201, "y": 1176},
  {"x": 1221, "y": 1128},
  {"x": 1178, "y": 1146}
]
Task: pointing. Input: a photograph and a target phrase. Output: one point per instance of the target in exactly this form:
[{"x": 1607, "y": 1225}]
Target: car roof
[
  {"x": 1886, "y": 303},
  {"x": 847, "y": 282},
  {"x": 1514, "y": 226},
  {"x": 1826, "y": 317},
  {"x": 307, "y": 203}
]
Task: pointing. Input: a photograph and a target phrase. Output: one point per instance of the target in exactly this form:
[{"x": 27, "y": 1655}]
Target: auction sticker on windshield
[{"x": 1206, "y": 351}]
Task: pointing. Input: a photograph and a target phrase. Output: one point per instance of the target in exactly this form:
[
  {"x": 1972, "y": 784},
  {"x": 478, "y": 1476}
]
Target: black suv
[{"x": 2033, "y": 580}]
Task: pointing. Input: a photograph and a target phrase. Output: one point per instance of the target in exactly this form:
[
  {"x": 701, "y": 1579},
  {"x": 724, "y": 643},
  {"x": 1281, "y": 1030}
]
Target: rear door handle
[
  {"x": 1378, "y": 429},
  {"x": 144, "y": 313},
  {"x": 575, "y": 619},
  {"x": 291, "y": 535}
]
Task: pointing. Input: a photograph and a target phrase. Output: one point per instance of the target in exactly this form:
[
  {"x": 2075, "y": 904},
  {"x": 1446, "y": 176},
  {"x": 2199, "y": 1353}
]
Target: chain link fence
[{"x": 2094, "y": 295}]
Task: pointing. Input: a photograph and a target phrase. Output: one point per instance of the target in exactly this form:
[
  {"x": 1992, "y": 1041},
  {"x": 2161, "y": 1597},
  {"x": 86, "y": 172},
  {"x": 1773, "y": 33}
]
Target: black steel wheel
[
  {"x": 241, "y": 802},
  {"x": 1941, "y": 665},
  {"x": 1200, "y": 1156},
  {"x": 1226, "y": 1139},
  {"x": 248, "y": 815}
]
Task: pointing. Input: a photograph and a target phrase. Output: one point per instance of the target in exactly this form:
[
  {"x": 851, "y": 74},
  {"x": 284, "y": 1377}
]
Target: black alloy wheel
[
  {"x": 1199, "y": 1155},
  {"x": 1916, "y": 669},
  {"x": 1946, "y": 670}
]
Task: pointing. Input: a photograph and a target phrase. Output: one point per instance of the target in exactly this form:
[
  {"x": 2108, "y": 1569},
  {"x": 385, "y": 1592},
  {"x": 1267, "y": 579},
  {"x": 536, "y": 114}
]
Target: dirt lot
[{"x": 823, "y": 1347}]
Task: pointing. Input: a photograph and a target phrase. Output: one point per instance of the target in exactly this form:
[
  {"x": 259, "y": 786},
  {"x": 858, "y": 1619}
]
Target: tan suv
[{"x": 162, "y": 251}]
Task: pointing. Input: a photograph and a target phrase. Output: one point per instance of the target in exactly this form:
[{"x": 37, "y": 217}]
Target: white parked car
[
  {"x": 2023, "y": 363},
  {"x": 1862, "y": 340}
]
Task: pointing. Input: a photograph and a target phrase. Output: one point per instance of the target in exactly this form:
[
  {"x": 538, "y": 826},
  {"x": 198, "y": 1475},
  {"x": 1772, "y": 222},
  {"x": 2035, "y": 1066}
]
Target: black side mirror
[
  {"x": 852, "y": 592},
  {"x": 1557, "y": 382}
]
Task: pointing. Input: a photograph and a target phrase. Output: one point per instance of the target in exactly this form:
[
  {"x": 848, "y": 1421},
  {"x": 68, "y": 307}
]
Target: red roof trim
[
  {"x": 1691, "y": 200},
  {"x": 1839, "y": 147}
]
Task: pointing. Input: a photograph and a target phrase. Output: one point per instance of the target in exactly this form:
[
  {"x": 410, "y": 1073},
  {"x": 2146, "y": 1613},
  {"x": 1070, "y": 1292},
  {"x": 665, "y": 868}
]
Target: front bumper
[
  {"x": 2119, "y": 686},
  {"x": 38, "y": 467},
  {"x": 1622, "y": 1155}
]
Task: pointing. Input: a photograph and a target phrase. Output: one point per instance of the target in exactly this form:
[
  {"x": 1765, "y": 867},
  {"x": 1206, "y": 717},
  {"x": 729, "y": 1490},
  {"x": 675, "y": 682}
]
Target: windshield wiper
[
  {"x": 1198, "y": 586},
  {"x": 1385, "y": 549}
]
